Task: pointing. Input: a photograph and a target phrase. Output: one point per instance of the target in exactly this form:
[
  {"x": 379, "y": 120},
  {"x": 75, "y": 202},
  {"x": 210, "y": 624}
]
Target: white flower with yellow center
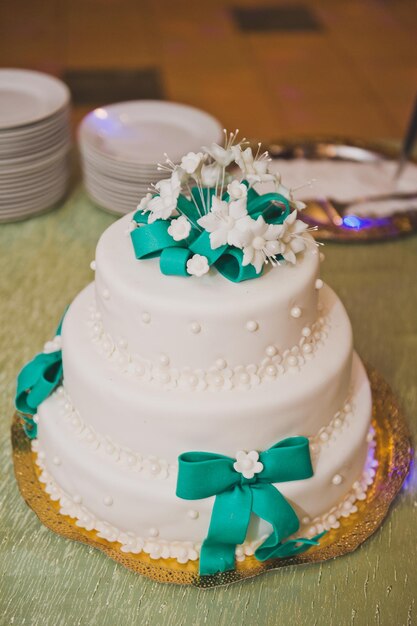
[
  {"x": 226, "y": 221},
  {"x": 191, "y": 162},
  {"x": 254, "y": 169},
  {"x": 237, "y": 190},
  {"x": 161, "y": 207},
  {"x": 247, "y": 463}
]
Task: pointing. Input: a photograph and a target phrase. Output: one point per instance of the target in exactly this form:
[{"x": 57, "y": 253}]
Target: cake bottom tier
[{"x": 108, "y": 489}]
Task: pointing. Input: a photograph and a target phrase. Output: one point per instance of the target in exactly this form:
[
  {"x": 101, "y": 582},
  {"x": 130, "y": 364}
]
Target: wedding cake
[{"x": 204, "y": 400}]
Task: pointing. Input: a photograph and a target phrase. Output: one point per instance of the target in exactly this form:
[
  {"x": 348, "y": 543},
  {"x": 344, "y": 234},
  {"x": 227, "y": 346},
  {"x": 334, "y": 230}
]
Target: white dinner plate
[
  {"x": 102, "y": 162},
  {"x": 142, "y": 131},
  {"x": 27, "y": 97}
]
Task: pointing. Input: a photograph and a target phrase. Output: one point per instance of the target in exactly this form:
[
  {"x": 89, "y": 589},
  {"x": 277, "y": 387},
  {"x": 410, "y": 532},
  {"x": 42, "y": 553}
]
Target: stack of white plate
[
  {"x": 34, "y": 142},
  {"x": 122, "y": 144}
]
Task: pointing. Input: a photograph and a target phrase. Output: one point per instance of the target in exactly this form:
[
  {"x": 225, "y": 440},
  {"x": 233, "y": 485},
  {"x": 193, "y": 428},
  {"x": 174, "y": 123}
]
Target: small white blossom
[
  {"x": 53, "y": 346},
  {"x": 222, "y": 156},
  {"x": 291, "y": 237},
  {"x": 163, "y": 206},
  {"x": 247, "y": 463},
  {"x": 254, "y": 170},
  {"x": 191, "y": 162},
  {"x": 210, "y": 174},
  {"x": 260, "y": 243},
  {"x": 179, "y": 228},
  {"x": 197, "y": 265},
  {"x": 143, "y": 204},
  {"x": 225, "y": 222},
  {"x": 237, "y": 190}
]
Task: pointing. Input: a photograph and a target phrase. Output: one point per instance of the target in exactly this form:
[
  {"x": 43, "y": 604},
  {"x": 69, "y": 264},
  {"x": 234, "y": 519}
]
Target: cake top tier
[{"x": 212, "y": 211}]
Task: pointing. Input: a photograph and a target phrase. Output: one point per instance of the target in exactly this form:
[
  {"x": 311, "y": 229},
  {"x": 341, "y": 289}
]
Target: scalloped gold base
[{"x": 393, "y": 451}]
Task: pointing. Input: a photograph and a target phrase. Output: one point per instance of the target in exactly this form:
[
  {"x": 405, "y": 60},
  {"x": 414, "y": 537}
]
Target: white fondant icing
[{"x": 222, "y": 308}]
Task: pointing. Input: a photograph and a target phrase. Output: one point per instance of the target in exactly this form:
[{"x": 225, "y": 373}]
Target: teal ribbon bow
[
  {"x": 153, "y": 240},
  {"x": 204, "y": 474},
  {"x": 35, "y": 382}
]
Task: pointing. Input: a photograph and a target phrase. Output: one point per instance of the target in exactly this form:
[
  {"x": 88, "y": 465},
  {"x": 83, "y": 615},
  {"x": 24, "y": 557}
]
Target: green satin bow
[
  {"x": 204, "y": 474},
  {"x": 152, "y": 240},
  {"x": 35, "y": 382}
]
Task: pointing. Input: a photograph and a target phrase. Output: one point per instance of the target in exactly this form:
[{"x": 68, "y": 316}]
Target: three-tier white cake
[{"x": 156, "y": 365}]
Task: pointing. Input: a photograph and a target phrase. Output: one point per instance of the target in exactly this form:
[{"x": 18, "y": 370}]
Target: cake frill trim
[
  {"x": 202, "y": 216},
  {"x": 219, "y": 377},
  {"x": 184, "y": 551},
  {"x": 158, "y": 468}
]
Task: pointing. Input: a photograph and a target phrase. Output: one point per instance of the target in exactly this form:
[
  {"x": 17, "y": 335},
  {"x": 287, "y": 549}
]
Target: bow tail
[
  {"x": 270, "y": 505},
  {"x": 37, "y": 380},
  {"x": 228, "y": 527}
]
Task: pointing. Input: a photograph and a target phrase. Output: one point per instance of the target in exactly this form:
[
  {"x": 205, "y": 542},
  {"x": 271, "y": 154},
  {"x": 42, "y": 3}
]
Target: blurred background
[{"x": 271, "y": 68}]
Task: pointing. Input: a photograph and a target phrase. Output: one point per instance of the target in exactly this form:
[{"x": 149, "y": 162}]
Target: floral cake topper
[{"x": 208, "y": 213}]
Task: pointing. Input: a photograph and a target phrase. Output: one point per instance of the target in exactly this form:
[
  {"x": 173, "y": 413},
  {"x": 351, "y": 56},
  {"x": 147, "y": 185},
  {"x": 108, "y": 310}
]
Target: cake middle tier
[
  {"x": 151, "y": 419},
  {"x": 197, "y": 322}
]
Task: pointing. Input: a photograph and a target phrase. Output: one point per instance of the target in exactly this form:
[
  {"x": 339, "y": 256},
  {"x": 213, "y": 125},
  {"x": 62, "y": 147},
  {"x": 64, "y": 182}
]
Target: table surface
[{"x": 48, "y": 580}]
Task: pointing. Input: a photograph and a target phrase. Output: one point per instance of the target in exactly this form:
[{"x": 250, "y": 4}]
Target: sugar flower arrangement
[{"x": 203, "y": 215}]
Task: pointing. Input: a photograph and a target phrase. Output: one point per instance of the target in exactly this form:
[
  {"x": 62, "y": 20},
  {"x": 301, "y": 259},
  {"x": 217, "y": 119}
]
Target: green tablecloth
[{"x": 47, "y": 580}]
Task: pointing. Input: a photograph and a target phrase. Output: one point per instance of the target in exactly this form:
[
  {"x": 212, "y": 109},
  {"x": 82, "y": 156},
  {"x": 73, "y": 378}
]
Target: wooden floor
[{"x": 269, "y": 68}]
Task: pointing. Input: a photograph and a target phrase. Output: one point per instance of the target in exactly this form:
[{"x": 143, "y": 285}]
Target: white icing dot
[
  {"x": 292, "y": 360},
  {"x": 153, "y": 532},
  {"x": 217, "y": 381},
  {"x": 337, "y": 422},
  {"x": 319, "y": 283},
  {"x": 306, "y": 520},
  {"x": 41, "y": 455},
  {"x": 93, "y": 266},
  {"x": 155, "y": 468},
  {"x": 122, "y": 344},
  {"x": 337, "y": 479},
  {"x": 146, "y": 318},
  {"x": 130, "y": 458},
  {"x": 60, "y": 391},
  {"x": 324, "y": 436},
  {"x": 106, "y": 294},
  {"x": 193, "y": 380},
  {"x": 195, "y": 327},
  {"x": 347, "y": 505},
  {"x": 296, "y": 311},
  {"x": 332, "y": 519},
  {"x": 314, "y": 447},
  {"x": 140, "y": 369},
  {"x": 347, "y": 407},
  {"x": 271, "y": 351},
  {"x": 240, "y": 551},
  {"x": 36, "y": 418},
  {"x": 164, "y": 359},
  {"x": 77, "y": 499},
  {"x": 110, "y": 448},
  {"x": 306, "y": 332},
  {"x": 56, "y": 460},
  {"x": 244, "y": 378},
  {"x": 90, "y": 437},
  {"x": 67, "y": 406},
  {"x": 192, "y": 514},
  {"x": 251, "y": 326},
  {"x": 164, "y": 377},
  {"x": 307, "y": 348},
  {"x": 221, "y": 364},
  {"x": 271, "y": 370},
  {"x": 107, "y": 500}
]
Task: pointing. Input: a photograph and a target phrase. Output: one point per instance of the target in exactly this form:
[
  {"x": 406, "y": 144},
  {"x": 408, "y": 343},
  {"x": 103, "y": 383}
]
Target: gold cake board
[{"x": 393, "y": 452}]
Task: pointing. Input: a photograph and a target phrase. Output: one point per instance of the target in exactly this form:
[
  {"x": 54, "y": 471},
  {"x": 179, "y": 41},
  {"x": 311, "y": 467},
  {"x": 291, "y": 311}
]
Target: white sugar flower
[
  {"x": 260, "y": 243},
  {"x": 143, "y": 204},
  {"x": 247, "y": 463},
  {"x": 254, "y": 169},
  {"x": 53, "y": 346},
  {"x": 291, "y": 237},
  {"x": 197, "y": 265},
  {"x": 179, "y": 228},
  {"x": 163, "y": 206},
  {"x": 222, "y": 156},
  {"x": 287, "y": 193},
  {"x": 226, "y": 221},
  {"x": 191, "y": 162},
  {"x": 237, "y": 190},
  {"x": 210, "y": 174}
]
